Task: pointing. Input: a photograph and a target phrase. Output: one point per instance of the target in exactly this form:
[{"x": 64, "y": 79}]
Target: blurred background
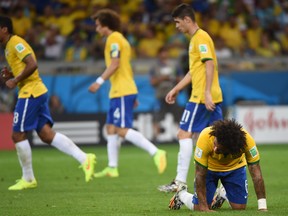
[{"x": 251, "y": 41}]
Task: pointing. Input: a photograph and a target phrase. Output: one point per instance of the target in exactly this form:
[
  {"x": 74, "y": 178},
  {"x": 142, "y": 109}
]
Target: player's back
[
  {"x": 16, "y": 50},
  {"x": 122, "y": 81}
]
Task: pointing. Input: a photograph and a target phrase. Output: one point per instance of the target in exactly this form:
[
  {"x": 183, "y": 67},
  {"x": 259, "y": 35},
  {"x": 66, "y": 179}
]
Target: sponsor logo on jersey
[
  {"x": 20, "y": 47},
  {"x": 203, "y": 48},
  {"x": 253, "y": 151},
  {"x": 198, "y": 152},
  {"x": 115, "y": 52}
]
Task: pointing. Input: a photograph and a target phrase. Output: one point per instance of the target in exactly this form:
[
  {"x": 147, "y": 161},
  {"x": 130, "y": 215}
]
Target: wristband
[
  {"x": 262, "y": 204},
  {"x": 100, "y": 80}
]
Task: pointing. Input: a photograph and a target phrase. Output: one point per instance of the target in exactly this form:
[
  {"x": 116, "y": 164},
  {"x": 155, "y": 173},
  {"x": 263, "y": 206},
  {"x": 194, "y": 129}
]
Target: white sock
[
  {"x": 66, "y": 145},
  {"x": 113, "y": 146},
  {"x": 25, "y": 158},
  {"x": 187, "y": 198},
  {"x": 184, "y": 158},
  {"x": 140, "y": 141}
]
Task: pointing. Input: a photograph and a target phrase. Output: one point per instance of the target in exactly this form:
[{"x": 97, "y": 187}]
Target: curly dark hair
[
  {"x": 109, "y": 18},
  {"x": 230, "y": 136}
]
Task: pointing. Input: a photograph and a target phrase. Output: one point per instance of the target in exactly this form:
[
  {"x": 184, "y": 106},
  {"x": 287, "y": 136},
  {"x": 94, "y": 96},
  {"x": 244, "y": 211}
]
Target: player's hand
[
  {"x": 210, "y": 106},
  {"x": 11, "y": 83},
  {"x": 5, "y": 75},
  {"x": 94, "y": 87},
  {"x": 171, "y": 97}
]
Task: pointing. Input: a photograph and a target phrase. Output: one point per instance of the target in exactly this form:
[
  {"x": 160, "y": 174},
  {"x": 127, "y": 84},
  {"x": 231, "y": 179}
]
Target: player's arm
[
  {"x": 171, "y": 96},
  {"x": 258, "y": 182},
  {"x": 30, "y": 67},
  {"x": 209, "y": 64},
  {"x": 109, "y": 71},
  {"x": 200, "y": 184}
]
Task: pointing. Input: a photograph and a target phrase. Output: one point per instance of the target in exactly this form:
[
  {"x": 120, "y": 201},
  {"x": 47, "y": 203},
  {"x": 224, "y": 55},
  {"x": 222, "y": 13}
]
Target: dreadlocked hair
[{"x": 230, "y": 136}]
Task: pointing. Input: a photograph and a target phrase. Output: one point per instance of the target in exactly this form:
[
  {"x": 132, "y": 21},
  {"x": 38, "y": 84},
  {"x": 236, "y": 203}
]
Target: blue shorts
[
  {"x": 196, "y": 117},
  {"x": 235, "y": 183},
  {"x": 31, "y": 114},
  {"x": 120, "y": 111}
]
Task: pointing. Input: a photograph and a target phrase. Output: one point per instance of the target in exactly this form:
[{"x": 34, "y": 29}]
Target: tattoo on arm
[
  {"x": 200, "y": 181},
  {"x": 258, "y": 181}
]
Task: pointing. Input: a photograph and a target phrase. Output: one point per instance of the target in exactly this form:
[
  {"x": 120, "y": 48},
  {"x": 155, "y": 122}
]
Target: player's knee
[
  {"x": 183, "y": 134},
  {"x": 46, "y": 135},
  {"x": 235, "y": 206},
  {"x": 18, "y": 136}
]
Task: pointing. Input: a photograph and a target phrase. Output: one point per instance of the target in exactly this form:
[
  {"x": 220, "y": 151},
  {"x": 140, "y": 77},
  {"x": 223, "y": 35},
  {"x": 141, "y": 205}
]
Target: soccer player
[
  {"x": 31, "y": 111},
  {"x": 222, "y": 153},
  {"x": 204, "y": 105},
  {"x": 123, "y": 94}
]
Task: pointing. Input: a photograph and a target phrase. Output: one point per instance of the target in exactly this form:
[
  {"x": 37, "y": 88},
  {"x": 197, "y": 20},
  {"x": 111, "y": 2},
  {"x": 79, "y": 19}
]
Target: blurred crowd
[{"x": 63, "y": 29}]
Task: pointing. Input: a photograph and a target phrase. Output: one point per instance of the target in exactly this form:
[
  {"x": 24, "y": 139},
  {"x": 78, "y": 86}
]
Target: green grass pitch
[{"x": 62, "y": 190}]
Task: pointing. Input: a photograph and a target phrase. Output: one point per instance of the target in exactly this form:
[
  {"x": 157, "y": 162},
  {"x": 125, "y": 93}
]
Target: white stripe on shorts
[
  {"x": 122, "y": 112},
  {"x": 192, "y": 118},
  {"x": 24, "y": 115}
]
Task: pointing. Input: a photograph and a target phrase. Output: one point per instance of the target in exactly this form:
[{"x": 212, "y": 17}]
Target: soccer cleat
[
  {"x": 88, "y": 166},
  {"x": 23, "y": 184},
  {"x": 175, "y": 202},
  {"x": 160, "y": 160},
  {"x": 171, "y": 187},
  {"x": 219, "y": 198},
  {"x": 108, "y": 172}
]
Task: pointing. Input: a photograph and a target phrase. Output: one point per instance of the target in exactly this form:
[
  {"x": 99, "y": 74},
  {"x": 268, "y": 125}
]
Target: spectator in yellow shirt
[{"x": 21, "y": 23}]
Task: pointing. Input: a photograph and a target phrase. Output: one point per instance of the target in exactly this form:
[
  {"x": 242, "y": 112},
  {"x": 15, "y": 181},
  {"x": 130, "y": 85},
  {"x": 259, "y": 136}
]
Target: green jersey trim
[{"x": 206, "y": 59}]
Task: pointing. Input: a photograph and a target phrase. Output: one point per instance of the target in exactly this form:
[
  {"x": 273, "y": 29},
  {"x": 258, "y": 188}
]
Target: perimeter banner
[{"x": 267, "y": 124}]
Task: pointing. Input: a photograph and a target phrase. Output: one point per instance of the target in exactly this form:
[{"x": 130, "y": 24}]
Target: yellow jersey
[
  {"x": 122, "y": 81},
  {"x": 15, "y": 51},
  {"x": 205, "y": 155},
  {"x": 201, "y": 48}
]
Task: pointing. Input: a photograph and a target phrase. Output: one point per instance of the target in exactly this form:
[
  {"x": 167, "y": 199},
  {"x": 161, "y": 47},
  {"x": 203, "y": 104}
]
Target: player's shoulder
[
  {"x": 116, "y": 36},
  {"x": 203, "y": 35},
  {"x": 206, "y": 130},
  {"x": 17, "y": 42},
  {"x": 205, "y": 133},
  {"x": 16, "y": 39}
]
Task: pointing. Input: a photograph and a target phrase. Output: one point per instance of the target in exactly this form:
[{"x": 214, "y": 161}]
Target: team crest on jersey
[
  {"x": 253, "y": 151},
  {"x": 198, "y": 152},
  {"x": 20, "y": 47},
  {"x": 115, "y": 50},
  {"x": 203, "y": 48}
]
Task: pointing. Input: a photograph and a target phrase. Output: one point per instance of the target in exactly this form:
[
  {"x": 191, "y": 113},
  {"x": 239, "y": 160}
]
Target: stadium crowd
[{"x": 63, "y": 29}]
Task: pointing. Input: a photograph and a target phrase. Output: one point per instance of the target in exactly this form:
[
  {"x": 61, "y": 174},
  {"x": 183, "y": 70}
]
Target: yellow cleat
[
  {"x": 108, "y": 172},
  {"x": 160, "y": 161},
  {"x": 88, "y": 166},
  {"x": 23, "y": 184}
]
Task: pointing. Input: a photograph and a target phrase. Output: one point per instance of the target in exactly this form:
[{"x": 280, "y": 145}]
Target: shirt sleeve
[
  {"x": 251, "y": 153},
  {"x": 21, "y": 50},
  {"x": 114, "y": 47},
  {"x": 203, "y": 148},
  {"x": 204, "y": 48}
]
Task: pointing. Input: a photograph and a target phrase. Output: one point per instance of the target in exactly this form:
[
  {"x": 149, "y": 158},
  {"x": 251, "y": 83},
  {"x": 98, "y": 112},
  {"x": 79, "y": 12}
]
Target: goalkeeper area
[{"x": 63, "y": 191}]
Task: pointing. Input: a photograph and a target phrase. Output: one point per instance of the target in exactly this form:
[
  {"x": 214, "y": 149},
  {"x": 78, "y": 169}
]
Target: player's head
[
  {"x": 230, "y": 137},
  {"x": 6, "y": 24},
  {"x": 106, "y": 18},
  {"x": 184, "y": 17},
  {"x": 182, "y": 11}
]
